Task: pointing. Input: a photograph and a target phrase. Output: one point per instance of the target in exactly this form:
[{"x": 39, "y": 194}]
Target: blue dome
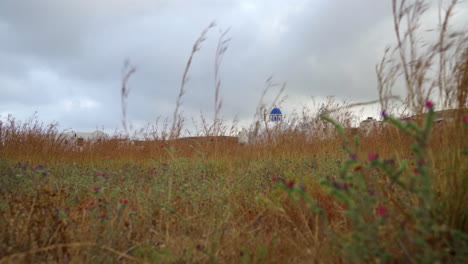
[{"x": 275, "y": 111}]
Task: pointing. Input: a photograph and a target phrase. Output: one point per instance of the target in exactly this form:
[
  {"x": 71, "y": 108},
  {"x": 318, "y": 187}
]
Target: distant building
[
  {"x": 441, "y": 117},
  {"x": 91, "y": 135},
  {"x": 243, "y": 136},
  {"x": 369, "y": 125},
  {"x": 315, "y": 128},
  {"x": 266, "y": 130},
  {"x": 447, "y": 115},
  {"x": 78, "y": 139},
  {"x": 276, "y": 115}
]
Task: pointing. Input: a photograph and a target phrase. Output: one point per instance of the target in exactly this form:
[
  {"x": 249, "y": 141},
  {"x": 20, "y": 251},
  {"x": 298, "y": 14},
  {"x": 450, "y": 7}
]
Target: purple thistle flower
[
  {"x": 336, "y": 185},
  {"x": 421, "y": 162},
  {"x": 384, "y": 114}
]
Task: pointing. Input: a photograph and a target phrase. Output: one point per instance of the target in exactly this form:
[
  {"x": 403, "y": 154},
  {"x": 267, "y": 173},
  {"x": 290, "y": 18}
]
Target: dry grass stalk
[
  {"x": 177, "y": 120},
  {"x": 221, "y": 49},
  {"x": 127, "y": 71}
]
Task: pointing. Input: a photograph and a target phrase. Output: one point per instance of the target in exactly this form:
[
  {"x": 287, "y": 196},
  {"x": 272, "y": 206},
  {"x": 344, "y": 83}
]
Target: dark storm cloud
[{"x": 64, "y": 58}]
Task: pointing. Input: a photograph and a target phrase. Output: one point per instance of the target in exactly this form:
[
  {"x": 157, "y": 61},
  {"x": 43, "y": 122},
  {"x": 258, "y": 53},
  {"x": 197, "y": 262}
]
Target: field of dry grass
[{"x": 214, "y": 200}]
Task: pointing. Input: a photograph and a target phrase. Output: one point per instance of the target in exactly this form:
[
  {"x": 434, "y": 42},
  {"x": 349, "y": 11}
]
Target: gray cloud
[{"x": 64, "y": 58}]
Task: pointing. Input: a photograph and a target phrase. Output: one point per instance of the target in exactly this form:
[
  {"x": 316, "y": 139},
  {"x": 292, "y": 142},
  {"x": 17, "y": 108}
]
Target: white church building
[
  {"x": 78, "y": 139},
  {"x": 266, "y": 130}
]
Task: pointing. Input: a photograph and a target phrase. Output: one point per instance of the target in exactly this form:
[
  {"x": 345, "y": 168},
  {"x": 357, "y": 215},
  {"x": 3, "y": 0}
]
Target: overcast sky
[{"x": 64, "y": 59}]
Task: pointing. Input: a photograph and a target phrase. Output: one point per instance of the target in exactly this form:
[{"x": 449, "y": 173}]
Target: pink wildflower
[
  {"x": 429, "y": 104},
  {"x": 372, "y": 156},
  {"x": 382, "y": 211},
  {"x": 403, "y": 224},
  {"x": 464, "y": 119}
]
